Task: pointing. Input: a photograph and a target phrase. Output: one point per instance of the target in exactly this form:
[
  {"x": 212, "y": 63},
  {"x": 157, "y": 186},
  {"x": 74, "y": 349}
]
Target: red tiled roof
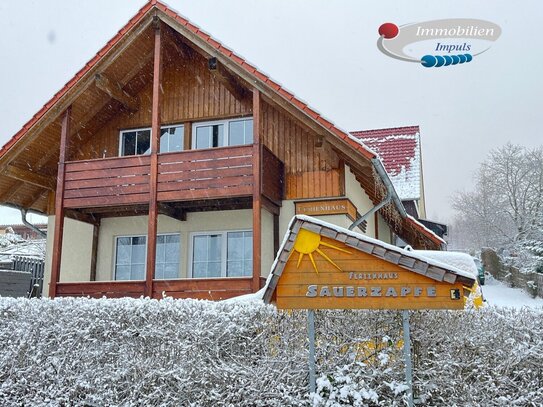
[
  {"x": 390, "y": 131},
  {"x": 399, "y": 150},
  {"x": 395, "y": 151}
]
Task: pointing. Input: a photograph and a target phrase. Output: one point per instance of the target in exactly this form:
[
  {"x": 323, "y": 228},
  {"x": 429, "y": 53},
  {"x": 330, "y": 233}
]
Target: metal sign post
[
  {"x": 311, "y": 336},
  {"x": 407, "y": 356}
]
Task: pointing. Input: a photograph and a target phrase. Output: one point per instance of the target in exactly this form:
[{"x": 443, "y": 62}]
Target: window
[
  {"x": 239, "y": 255},
  {"x": 225, "y": 133},
  {"x": 209, "y": 136},
  {"x": 222, "y": 254},
  {"x": 130, "y": 258},
  {"x": 171, "y": 139},
  {"x": 167, "y": 257},
  {"x": 137, "y": 142},
  {"x": 131, "y": 252},
  {"x": 240, "y": 132}
]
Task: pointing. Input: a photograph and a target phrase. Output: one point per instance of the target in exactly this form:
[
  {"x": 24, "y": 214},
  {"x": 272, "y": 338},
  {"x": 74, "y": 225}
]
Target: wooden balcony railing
[
  {"x": 182, "y": 176},
  {"x": 203, "y": 174},
  {"x": 273, "y": 177},
  {"x": 107, "y": 182}
]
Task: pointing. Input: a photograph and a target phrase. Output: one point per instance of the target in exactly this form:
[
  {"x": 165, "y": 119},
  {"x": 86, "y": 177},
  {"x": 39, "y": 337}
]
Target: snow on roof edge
[{"x": 411, "y": 253}]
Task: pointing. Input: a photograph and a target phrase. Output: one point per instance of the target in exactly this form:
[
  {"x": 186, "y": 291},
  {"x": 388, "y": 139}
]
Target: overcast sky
[{"x": 325, "y": 52}]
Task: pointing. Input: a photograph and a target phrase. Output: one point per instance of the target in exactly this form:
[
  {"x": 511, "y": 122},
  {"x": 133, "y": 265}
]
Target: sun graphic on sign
[{"x": 308, "y": 242}]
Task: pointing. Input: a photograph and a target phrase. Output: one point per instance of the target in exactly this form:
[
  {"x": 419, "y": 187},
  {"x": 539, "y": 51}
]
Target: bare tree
[{"x": 506, "y": 207}]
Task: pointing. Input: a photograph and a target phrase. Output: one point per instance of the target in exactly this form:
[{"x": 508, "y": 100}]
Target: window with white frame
[
  {"x": 222, "y": 133},
  {"x": 131, "y": 252},
  {"x": 130, "y": 258},
  {"x": 138, "y": 141},
  {"x": 167, "y": 256},
  {"x": 222, "y": 254}
]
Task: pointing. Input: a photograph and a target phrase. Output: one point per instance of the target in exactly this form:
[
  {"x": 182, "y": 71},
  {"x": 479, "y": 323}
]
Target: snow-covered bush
[
  {"x": 195, "y": 353},
  {"x": 10, "y": 238}
]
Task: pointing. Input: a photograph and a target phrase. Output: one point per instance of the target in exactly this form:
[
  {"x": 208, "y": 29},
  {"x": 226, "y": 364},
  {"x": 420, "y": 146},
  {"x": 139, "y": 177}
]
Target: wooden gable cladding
[
  {"x": 312, "y": 168},
  {"x": 322, "y": 266},
  {"x": 190, "y": 93}
]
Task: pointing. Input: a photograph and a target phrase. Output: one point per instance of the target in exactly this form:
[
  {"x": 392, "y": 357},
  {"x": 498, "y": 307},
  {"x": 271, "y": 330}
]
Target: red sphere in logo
[{"x": 388, "y": 30}]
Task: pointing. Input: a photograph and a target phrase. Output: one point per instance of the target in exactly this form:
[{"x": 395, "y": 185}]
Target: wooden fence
[{"x": 36, "y": 268}]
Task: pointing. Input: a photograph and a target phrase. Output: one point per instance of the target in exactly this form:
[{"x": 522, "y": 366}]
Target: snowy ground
[{"x": 497, "y": 293}]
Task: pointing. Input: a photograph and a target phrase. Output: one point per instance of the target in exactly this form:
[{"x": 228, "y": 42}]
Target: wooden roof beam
[
  {"x": 171, "y": 211},
  {"x": 93, "y": 111},
  {"x": 115, "y": 91},
  {"x": 224, "y": 76},
  {"x": 32, "y": 199},
  {"x": 180, "y": 47},
  {"x": 12, "y": 191},
  {"x": 30, "y": 177}
]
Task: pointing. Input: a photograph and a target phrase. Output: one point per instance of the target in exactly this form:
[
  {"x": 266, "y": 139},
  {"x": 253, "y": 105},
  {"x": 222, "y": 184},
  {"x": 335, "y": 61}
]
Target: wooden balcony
[
  {"x": 203, "y": 288},
  {"x": 225, "y": 172}
]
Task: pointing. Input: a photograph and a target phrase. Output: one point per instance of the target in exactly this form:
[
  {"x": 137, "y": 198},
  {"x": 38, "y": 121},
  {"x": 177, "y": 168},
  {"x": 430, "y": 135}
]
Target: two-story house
[{"x": 170, "y": 165}]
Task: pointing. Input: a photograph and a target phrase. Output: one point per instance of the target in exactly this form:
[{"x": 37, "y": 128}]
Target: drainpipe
[
  {"x": 24, "y": 212},
  {"x": 390, "y": 196}
]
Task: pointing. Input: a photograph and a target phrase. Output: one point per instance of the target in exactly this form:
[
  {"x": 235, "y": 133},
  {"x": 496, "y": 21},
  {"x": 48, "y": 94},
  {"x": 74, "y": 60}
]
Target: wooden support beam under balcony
[
  {"x": 152, "y": 223},
  {"x": 172, "y": 211},
  {"x": 91, "y": 219},
  {"x": 115, "y": 91}
]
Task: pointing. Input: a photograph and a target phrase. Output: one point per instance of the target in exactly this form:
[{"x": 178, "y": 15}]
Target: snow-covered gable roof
[{"x": 399, "y": 150}]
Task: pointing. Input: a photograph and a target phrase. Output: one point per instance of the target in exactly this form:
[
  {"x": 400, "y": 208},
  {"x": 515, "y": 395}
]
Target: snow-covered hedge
[{"x": 147, "y": 352}]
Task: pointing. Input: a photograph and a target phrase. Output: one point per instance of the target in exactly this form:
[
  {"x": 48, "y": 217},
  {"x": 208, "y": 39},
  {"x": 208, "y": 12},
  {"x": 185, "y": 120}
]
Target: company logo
[{"x": 438, "y": 43}]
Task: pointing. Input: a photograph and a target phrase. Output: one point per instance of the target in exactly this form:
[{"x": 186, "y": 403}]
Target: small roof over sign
[{"x": 401, "y": 259}]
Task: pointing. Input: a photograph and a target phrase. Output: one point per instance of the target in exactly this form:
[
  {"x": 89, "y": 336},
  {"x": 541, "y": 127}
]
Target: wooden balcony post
[
  {"x": 59, "y": 205},
  {"x": 94, "y": 250},
  {"x": 257, "y": 190},
  {"x": 153, "y": 178}
]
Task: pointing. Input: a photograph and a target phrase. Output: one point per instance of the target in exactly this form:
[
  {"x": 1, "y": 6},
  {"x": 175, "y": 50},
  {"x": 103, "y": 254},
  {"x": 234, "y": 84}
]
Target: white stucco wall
[
  {"x": 384, "y": 230},
  {"x": 76, "y": 252},
  {"x": 357, "y": 195}
]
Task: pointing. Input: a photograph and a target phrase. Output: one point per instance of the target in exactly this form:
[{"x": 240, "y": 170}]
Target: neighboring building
[
  {"x": 24, "y": 231},
  {"x": 199, "y": 211},
  {"x": 400, "y": 150}
]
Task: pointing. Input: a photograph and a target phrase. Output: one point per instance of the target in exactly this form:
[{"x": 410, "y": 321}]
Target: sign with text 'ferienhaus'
[
  {"x": 341, "y": 206},
  {"x": 321, "y": 266}
]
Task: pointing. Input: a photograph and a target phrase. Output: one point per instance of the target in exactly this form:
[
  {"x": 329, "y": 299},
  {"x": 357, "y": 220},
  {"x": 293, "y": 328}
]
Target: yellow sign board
[{"x": 324, "y": 273}]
